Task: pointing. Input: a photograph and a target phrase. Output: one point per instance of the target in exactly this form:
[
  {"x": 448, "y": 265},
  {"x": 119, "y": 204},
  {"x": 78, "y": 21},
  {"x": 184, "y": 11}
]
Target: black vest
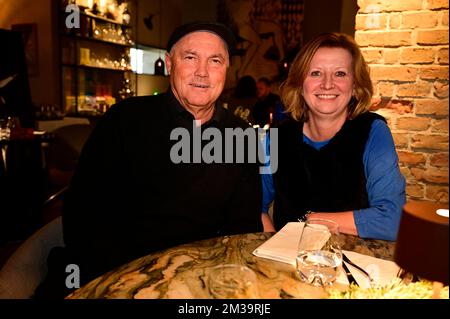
[{"x": 331, "y": 179}]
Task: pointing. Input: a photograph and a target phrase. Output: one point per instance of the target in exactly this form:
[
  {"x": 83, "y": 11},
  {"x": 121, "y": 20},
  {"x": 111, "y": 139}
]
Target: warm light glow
[
  {"x": 442, "y": 212},
  {"x": 102, "y": 3},
  {"x": 144, "y": 61},
  {"x": 9, "y": 12},
  {"x": 85, "y": 3},
  {"x": 137, "y": 60}
]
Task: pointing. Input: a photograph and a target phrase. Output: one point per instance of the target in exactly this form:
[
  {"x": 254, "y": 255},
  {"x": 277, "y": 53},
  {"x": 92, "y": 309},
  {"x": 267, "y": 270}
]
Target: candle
[{"x": 442, "y": 212}]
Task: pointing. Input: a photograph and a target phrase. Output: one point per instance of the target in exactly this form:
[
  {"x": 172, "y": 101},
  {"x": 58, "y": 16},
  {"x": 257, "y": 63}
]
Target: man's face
[
  {"x": 262, "y": 89},
  {"x": 197, "y": 65}
]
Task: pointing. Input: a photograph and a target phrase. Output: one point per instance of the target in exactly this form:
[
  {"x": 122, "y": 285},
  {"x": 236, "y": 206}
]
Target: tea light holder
[{"x": 422, "y": 241}]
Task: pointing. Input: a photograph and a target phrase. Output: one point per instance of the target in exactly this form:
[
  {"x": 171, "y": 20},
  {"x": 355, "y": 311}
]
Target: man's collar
[{"x": 177, "y": 110}]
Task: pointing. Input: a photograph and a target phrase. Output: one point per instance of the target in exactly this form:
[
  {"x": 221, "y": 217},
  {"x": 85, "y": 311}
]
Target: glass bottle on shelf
[
  {"x": 94, "y": 9},
  {"x": 123, "y": 62},
  {"x": 127, "y": 35},
  {"x": 102, "y": 8},
  {"x": 126, "y": 16},
  {"x": 126, "y": 91},
  {"x": 96, "y": 30},
  {"x": 91, "y": 28}
]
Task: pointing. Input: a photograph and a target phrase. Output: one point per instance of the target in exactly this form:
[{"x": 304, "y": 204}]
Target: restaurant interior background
[{"x": 74, "y": 75}]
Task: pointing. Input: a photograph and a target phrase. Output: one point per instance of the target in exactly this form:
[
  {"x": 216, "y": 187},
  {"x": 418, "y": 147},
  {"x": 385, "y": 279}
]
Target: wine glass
[
  {"x": 319, "y": 254},
  {"x": 232, "y": 281}
]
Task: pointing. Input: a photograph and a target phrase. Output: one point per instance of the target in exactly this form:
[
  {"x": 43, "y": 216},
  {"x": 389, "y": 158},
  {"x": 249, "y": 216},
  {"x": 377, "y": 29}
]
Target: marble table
[{"x": 181, "y": 272}]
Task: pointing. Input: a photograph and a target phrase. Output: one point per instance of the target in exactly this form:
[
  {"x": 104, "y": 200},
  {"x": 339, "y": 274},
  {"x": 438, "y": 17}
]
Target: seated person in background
[
  {"x": 242, "y": 99},
  {"x": 128, "y": 198},
  {"x": 268, "y": 103},
  {"x": 336, "y": 160}
]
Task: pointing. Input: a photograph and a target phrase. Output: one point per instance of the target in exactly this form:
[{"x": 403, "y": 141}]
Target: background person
[
  {"x": 336, "y": 160},
  {"x": 267, "y": 104},
  {"x": 128, "y": 199},
  {"x": 242, "y": 99}
]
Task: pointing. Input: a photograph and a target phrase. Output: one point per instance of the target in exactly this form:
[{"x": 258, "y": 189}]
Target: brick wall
[{"x": 406, "y": 44}]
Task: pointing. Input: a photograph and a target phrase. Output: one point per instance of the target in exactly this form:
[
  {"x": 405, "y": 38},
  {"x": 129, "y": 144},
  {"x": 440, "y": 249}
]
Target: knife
[{"x": 351, "y": 279}]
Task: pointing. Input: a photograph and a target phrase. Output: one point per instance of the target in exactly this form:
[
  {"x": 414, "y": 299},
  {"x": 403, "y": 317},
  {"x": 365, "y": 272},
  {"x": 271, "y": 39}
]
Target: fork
[
  {"x": 348, "y": 261},
  {"x": 350, "y": 278}
]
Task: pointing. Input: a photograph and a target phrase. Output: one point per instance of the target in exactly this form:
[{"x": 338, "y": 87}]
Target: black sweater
[{"x": 331, "y": 179}]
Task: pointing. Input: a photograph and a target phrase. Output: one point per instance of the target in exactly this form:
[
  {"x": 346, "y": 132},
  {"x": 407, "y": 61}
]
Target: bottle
[{"x": 126, "y": 17}]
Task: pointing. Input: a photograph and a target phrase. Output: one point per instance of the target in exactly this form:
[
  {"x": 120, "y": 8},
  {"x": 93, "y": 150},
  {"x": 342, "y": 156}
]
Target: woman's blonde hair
[{"x": 291, "y": 89}]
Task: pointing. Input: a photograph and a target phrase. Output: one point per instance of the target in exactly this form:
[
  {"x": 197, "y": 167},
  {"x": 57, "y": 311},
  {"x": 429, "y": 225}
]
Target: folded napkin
[{"x": 283, "y": 247}]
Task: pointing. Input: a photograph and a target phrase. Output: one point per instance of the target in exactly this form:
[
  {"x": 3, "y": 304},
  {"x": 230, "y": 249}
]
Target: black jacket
[{"x": 127, "y": 199}]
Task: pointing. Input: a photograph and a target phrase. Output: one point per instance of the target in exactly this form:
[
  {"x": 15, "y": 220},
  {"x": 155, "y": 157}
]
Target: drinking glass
[
  {"x": 232, "y": 281},
  {"x": 319, "y": 254}
]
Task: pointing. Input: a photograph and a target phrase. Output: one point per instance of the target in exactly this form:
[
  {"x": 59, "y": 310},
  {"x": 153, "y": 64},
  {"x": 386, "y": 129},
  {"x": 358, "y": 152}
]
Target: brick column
[{"x": 406, "y": 44}]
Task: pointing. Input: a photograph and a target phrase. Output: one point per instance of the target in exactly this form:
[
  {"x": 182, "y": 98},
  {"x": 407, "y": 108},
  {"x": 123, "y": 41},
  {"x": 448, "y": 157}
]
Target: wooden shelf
[
  {"x": 80, "y": 37},
  {"x": 89, "y": 67},
  {"x": 99, "y": 18},
  {"x": 88, "y": 14}
]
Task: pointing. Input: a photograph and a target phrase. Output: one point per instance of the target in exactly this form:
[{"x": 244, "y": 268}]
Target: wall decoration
[{"x": 268, "y": 33}]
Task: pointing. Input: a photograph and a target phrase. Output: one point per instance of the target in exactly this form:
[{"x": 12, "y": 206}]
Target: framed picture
[{"x": 30, "y": 42}]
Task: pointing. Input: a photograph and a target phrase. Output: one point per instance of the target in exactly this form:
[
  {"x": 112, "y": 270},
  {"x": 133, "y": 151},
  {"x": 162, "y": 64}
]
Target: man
[
  {"x": 128, "y": 196},
  {"x": 268, "y": 103}
]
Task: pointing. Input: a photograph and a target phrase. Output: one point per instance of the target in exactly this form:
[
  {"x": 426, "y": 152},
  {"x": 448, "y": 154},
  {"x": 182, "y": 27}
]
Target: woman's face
[{"x": 328, "y": 85}]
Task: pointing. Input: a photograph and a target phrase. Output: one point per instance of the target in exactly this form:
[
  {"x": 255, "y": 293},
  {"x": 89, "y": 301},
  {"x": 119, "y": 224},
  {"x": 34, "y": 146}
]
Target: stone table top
[{"x": 181, "y": 272}]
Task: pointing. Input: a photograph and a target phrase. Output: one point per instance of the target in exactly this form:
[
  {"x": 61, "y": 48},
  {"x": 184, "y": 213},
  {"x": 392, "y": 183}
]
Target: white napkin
[
  {"x": 284, "y": 244},
  {"x": 381, "y": 271}
]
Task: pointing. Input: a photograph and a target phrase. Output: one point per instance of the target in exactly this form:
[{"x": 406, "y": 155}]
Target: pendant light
[{"x": 159, "y": 63}]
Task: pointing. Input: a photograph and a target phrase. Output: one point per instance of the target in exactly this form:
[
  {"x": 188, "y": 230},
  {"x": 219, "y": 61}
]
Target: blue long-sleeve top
[{"x": 384, "y": 183}]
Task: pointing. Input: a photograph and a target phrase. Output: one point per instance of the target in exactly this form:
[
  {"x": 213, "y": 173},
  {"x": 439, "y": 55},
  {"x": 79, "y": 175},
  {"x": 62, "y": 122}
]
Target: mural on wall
[{"x": 268, "y": 32}]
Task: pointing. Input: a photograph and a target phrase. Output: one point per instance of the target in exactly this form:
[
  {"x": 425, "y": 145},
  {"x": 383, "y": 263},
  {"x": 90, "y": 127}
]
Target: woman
[{"x": 336, "y": 160}]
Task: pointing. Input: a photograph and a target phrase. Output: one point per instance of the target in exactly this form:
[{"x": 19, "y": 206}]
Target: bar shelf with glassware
[
  {"x": 99, "y": 18},
  {"x": 99, "y": 68},
  {"x": 95, "y": 59},
  {"x": 128, "y": 45}
]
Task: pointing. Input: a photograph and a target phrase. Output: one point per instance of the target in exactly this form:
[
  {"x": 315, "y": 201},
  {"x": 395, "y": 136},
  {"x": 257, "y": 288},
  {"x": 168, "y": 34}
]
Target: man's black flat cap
[{"x": 221, "y": 30}]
